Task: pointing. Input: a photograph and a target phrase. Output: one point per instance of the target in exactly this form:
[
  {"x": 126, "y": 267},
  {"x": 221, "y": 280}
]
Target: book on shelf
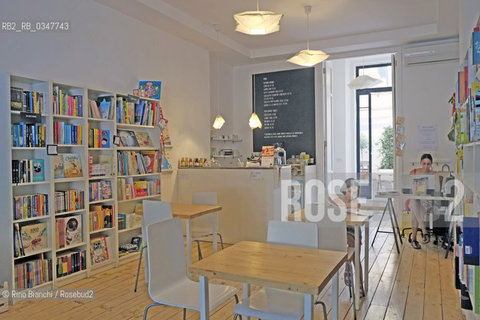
[
  {"x": 143, "y": 139},
  {"x": 30, "y": 206},
  {"x": 150, "y": 89},
  {"x": 64, "y": 133},
  {"x": 105, "y": 108},
  {"x": 71, "y": 262},
  {"x": 166, "y": 137},
  {"x": 28, "y": 135},
  {"x": 58, "y": 170},
  {"x": 127, "y": 138},
  {"x": 18, "y": 249},
  {"x": 72, "y": 165},
  {"x": 26, "y": 101},
  {"x": 100, "y": 190},
  {"x": 23, "y": 171},
  {"x": 38, "y": 170},
  {"x": 99, "y": 250},
  {"x": 101, "y": 217},
  {"x": 34, "y": 237},
  {"x": 69, "y": 200},
  {"x": 65, "y": 104},
  {"x": 69, "y": 231},
  {"x": 32, "y": 273}
]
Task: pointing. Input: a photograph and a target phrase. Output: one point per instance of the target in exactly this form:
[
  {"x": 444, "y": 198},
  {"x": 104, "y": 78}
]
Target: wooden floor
[{"x": 415, "y": 284}]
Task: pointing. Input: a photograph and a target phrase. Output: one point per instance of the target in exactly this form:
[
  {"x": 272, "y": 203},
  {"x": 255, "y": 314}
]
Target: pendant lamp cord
[
  {"x": 253, "y": 95},
  {"x": 308, "y": 10},
  {"x": 258, "y": 6}
]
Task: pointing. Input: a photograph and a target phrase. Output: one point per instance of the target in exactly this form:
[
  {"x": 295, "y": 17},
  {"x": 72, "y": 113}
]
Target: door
[{"x": 374, "y": 129}]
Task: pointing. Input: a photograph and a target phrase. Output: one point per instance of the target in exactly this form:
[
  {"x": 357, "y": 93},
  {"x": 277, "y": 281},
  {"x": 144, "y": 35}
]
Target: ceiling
[{"x": 335, "y": 25}]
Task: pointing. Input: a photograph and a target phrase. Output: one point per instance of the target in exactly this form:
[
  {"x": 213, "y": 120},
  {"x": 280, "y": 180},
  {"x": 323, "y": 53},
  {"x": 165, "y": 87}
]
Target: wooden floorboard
[{"x": 415, "y": 284}]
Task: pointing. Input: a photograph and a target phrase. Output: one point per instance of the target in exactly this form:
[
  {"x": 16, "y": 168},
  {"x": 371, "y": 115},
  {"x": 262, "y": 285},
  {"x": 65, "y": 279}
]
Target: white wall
[
  {"x": 107, "y": 50},
  {"x": 425, "y": 91}
]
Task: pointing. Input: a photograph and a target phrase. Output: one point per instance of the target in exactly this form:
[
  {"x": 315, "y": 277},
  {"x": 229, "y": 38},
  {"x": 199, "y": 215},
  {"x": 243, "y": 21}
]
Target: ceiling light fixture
[
  {"x": 257, "y": 22},
  {"x": 254, "y": 121},
  {"x": 219, "y": 121},
  {"x": 308, "y": 58},
  {"x": 363, "y": 81}
]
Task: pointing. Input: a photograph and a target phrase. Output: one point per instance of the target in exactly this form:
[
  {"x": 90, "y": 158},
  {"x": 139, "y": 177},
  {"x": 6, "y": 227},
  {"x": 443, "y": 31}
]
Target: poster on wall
[{"x": 285, "y": 103}]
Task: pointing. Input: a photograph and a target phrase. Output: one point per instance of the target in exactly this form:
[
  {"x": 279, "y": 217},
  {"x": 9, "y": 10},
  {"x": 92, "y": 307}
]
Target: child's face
[
  {"x": 352, "y": 192},
  {"x": 426, "y": 165}
]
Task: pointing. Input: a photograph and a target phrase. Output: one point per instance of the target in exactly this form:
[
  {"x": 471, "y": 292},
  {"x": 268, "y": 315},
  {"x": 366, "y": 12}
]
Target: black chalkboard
[{"x": 285, "y": 103}]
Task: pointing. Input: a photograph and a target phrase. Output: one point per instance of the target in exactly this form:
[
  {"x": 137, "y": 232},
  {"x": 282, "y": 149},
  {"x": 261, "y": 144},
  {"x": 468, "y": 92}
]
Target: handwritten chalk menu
[{"x": 285, "y": 103}]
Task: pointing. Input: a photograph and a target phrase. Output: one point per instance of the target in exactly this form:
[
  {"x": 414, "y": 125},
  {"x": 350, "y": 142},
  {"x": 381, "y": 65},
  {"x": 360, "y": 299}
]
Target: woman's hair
[
  {"x": 348, "y": 184},
  {"x": 426, "y": 156}
]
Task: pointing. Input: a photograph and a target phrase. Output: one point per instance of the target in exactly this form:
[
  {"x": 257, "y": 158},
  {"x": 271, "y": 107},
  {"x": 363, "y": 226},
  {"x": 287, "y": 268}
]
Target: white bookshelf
[{"x": 104, "y": 153}]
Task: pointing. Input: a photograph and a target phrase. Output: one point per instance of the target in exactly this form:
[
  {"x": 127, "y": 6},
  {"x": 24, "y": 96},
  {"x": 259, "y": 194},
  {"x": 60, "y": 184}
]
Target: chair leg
[
  {"x": 148, "y": 307},
  {"x": 352, "y": 282},
  {"x": 324, "y": 309},
  {"x": 138, "y": 269},
  {"x": 200, "y": 257},
  {"x": 221, "y": 240},
  {"x": 184, "y": 313}
]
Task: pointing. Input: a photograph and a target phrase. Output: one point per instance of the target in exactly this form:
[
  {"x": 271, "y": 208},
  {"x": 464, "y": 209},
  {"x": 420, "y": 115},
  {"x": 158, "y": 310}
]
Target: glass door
[{"x": 374, "y": 129}]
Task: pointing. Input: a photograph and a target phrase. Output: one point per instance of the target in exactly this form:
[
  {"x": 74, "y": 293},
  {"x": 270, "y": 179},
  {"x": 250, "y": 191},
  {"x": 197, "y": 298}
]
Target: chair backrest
[
  {"x": 154, "y": 211},
  {"x": 292, "y": 233},
  {"x": 300, "y": 234},
  {"x": 332, "y": 229},
  {"x": 166, "y": 254},
  {"x": 203, "y": 224}
]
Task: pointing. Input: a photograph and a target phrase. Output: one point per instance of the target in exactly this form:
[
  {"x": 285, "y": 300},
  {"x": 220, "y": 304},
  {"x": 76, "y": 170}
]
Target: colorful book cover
[
  {"x": 143, "y": 139},
  {"x": 106, "y": 189},
  {"x": 166, "y": 137},
  {"x": 476, "y": 47},
  {"x": 149, "y": 160},
  {"x": 150, "y": 89},
  {"x": 128, "y": 138},
  {"x": 105, "y": 108},
  {"x": 105, "y": 138},
  {"x": 58, "y": 170},
  {"x": 34, "y": 237},
  {"x": 98, "y": 250},
  {"x": 72, "y": 165},
  {"x": 38, "y": 170},
  {"x": 166, "y": 163},
  {"x": 73, "y": 230}
]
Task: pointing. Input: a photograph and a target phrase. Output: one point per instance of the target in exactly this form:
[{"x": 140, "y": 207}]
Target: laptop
[{"x": 418, "y": 184}]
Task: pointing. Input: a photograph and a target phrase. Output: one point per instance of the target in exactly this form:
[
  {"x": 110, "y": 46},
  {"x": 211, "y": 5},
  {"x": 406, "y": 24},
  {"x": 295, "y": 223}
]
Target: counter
[{"x": 250, "y": 197}]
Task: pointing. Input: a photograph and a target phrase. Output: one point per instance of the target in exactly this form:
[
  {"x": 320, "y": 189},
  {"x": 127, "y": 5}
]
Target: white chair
[
  {"x": 153, "y": 211},
  {"x": 270, "y": 303},
  {"x": 168, "y": 282},
  {"x": 202, "y": 226}
]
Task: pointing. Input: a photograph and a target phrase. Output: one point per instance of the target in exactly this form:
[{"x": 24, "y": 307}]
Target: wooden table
[
  {"x": 356, "y": 221},
  {"x": 271, "y": 265},
  {"x": 191, "y": 211}
]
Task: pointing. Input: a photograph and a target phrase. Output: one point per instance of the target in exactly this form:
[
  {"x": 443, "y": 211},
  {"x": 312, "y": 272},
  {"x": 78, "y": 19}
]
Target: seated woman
[
  {"x": 419, "y": 207},
  {"x": 349, "y": 200}
]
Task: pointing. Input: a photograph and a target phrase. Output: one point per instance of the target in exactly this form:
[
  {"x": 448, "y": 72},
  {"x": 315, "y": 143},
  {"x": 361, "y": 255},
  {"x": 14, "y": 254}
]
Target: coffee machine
[{"x": 280, "y": 156}]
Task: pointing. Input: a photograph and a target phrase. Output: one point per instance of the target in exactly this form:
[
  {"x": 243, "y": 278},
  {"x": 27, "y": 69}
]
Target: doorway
[{"x": 360, "y": 123}]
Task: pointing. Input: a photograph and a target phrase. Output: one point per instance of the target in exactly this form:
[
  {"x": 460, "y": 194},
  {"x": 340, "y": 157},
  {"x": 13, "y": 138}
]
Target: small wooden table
[
  {"x": 356, "y": 221},
  {"x": 191, "y": 211},
  {"x": 271, "y": 265}
]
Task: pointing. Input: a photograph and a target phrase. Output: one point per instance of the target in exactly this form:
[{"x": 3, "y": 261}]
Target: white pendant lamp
[
  {"x": 219, "y": 121},
  {"x": 257, "y": 22},
  {"x": 308, "y": 58},
  {"x": 254, "y": 121},
  {"x": 363, "y": 82}
]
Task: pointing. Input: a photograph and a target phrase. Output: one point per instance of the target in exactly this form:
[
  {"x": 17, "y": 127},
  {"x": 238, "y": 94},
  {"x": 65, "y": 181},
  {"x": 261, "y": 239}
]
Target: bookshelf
[
  {"x": 69, "y": 203},
  {"x": 467, "y": 134},
  {"x": 138, "y": 159}
]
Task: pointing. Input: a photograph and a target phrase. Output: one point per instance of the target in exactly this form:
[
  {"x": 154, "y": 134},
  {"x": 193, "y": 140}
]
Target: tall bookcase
[
  {"x": 68, "y": 204},
  {"x": 467, "y": 129}
]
